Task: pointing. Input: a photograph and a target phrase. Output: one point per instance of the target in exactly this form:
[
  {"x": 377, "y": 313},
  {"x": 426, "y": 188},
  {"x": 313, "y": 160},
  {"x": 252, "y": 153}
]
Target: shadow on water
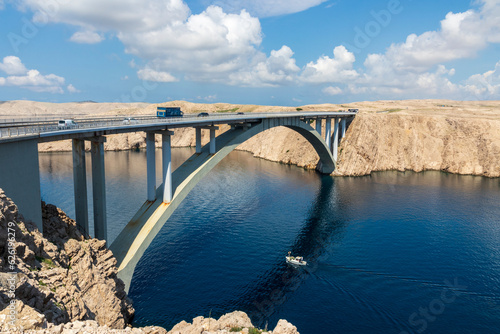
[{"x": 324, "y": 224}]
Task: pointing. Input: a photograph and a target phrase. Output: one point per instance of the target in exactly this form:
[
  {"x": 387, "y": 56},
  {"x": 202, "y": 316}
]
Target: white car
[
  {"x": 66, "y": 124},
  {"x": 130, "y": 120}
]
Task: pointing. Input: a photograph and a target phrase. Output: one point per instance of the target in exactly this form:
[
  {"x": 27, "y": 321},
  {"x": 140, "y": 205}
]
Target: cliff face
[
  {"x": 61, "y": 277},
  {"x": 378, "y": 142}
]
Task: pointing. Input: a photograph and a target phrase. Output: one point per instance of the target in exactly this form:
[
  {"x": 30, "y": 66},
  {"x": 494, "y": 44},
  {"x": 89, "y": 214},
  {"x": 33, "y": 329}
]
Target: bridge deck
[{"x": 92, "y": 127}]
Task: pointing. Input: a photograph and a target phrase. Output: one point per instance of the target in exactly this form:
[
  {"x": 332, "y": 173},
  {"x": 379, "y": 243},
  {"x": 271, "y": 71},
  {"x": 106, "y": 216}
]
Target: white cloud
[
  {"x": 209, "y": 98},
  {"x": 278, "y": 69},
  {"x": 149, "y": 74},
  {"x": 266, "y": 8},
  {"x": 416, "y": 68},
  {"x": 72, "y": 89},
  {"x": 104, "y": 15},
  {"x": 222, "y": 44},
  {"x": 33, "y": 80},
  {"x": 2, "y": 4},
  {"x": 332, "y": 90},
  {"x": 327, "y": 70},
  {"x": 483, "y": 86},
  {"x": 12, "y": 65},
  {"x": 205, "y": 47},
  {"x": 460, "y": 36},
  {"x": 37, "y": 82},
  {"x": 86, "y": 37}
]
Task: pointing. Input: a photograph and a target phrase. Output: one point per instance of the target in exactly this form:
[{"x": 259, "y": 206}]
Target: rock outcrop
[
  {"x": 63, "y": 277},
  {"x": 461, "y": 145}
]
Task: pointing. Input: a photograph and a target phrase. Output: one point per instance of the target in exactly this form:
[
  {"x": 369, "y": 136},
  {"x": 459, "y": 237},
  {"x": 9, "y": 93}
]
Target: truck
[{"x": 169, "y": 112}]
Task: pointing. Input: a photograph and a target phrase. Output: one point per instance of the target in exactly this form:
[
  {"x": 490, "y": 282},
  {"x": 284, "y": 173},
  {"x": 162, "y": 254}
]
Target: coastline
[{"x": 415, "y": 135}]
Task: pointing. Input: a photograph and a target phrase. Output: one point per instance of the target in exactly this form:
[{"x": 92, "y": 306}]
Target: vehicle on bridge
[
  {"x": 66, "y": 124},
  {"x": 203, "y": 114},
  {"x": 169, "y": 112},
  {"x": 129, "y": 120}
]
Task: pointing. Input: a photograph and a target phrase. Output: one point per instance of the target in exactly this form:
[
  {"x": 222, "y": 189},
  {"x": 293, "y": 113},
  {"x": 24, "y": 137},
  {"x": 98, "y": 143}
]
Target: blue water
[{"x": 388, "y": 253}]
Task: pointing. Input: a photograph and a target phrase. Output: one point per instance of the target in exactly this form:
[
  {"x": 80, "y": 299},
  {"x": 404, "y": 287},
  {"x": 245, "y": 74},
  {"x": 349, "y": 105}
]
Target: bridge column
[
  {"x": 343, "y": 127},
  {"x": 212, "y": 140},
  {"x": 318, "y": 125},
  {"x": 80, "y": 186},
  {"x": 198, "y": 140},
  {"x": 167, "y": 165},
  {"x": 20, "y": 178},
  {"x": 151, "y": 165},
  {"x": 335, "y": 144},
  {"x": 99, "y": 187},
  {"x": 328, "y": 132}
]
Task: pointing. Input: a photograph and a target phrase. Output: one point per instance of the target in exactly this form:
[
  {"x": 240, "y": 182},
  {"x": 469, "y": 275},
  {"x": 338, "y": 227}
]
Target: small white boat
[{"x": 297, "y": 260}]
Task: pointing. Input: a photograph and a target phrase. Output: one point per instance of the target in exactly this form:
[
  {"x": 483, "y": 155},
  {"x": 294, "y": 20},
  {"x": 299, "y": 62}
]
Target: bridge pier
[
  {"x": 335, "y": 144},
  {"x": 318, "y": 125},
  {"x": 343, "y": 127},
  {"x": 212, "y": 139},
  {"x": 20, "y": 178},
  {"x": 167, "y": 165},
  {"x": 80, "y": 186},
  {"x": 151, "y": 165},
  {"x": 99, "y": 187},
  {"x": 198, "y": 140},
  {"x": 328, "y": 132}
]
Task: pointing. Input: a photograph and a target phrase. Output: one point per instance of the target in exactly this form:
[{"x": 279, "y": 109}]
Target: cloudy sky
[{"x": 278, "y": 52}]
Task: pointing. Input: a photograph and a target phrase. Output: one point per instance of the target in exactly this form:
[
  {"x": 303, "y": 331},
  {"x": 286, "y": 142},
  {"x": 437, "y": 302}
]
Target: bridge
[{"x": 20, "y": 176}]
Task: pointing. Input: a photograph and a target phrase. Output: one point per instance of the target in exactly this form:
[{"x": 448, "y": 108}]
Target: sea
[{"x": 393, "y": 252}]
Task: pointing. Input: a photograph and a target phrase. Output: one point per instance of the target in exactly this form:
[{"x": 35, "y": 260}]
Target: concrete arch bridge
[{"x": 163, "y": 200}]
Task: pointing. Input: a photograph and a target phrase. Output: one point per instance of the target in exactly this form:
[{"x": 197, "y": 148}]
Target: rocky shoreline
[{"x": 65, "y": 282}]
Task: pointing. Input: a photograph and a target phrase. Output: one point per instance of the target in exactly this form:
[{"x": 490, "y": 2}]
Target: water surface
[{"x": 388, "y": 253}]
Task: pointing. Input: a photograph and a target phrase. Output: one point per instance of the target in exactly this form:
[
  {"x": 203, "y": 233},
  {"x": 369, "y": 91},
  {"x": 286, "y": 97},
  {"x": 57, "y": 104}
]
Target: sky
[{"x": 268, "y": 52}]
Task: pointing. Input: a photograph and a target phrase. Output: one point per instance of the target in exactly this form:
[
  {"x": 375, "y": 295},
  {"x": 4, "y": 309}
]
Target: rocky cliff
[
  {"x": 393, "y": 141},
  {"x": 62, "y": 277}
]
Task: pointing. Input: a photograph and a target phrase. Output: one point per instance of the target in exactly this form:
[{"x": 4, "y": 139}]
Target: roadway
[{"x": 47, "y": 130}]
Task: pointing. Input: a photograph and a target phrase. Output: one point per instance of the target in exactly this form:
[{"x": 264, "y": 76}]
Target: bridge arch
[{"x": 138, "y": 234}]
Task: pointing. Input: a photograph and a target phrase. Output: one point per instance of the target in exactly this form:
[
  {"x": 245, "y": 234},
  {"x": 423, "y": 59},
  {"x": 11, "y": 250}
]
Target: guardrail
[{"x": 17, "y": 130}]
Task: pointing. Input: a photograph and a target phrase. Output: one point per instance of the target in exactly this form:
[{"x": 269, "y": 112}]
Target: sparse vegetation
[
  {"x": 43, "y": 260},
  {"x": 228, "y": 110},
  {"x": 394, "y": 110},
  {"x": 254, "y": 330},
  {"x": 42, "y": 283},
  {"x": 236, "y": 329},
  {"x": 298, "y": 109}
]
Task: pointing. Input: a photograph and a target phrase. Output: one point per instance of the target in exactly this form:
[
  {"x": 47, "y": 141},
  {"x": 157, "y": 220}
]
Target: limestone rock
[
  {"x": 24, "y": 318},
  {"x": 234, "y": 319},
  {"x": 379, "y": 142},
  {"x": 63, "y": 276},
  {"x": 284, "y": 327}
]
